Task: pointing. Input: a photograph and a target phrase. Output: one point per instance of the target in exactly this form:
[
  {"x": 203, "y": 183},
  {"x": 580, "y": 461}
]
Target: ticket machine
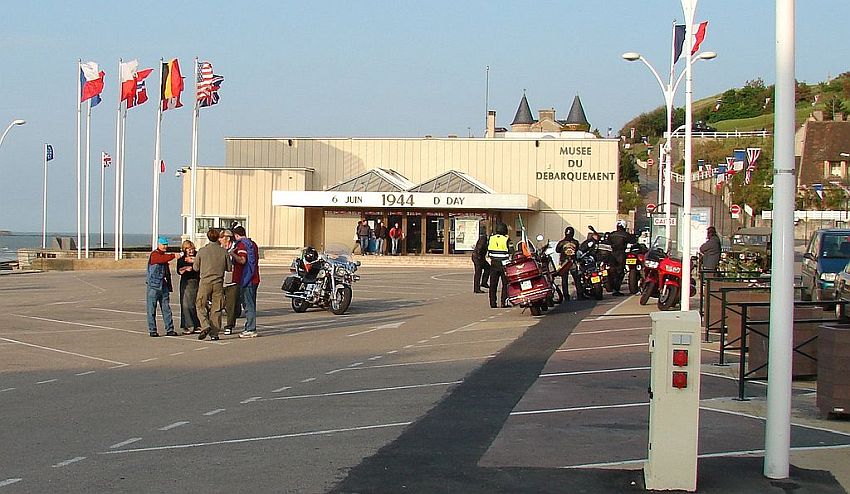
[{"x": 673, "y": 401}]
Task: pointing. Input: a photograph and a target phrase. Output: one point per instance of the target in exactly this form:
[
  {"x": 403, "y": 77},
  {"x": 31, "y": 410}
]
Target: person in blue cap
[{"x": 158, "y": 281}]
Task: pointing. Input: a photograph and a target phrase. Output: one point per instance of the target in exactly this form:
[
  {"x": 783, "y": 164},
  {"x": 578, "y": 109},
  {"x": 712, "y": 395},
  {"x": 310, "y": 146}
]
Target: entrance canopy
[{"x": 382, "y": 188}]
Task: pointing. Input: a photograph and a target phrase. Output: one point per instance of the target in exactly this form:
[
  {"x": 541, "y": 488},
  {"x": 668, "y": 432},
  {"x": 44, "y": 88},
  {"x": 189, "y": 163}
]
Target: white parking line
[
  {"x": 149, "y": 359},
  {"x": 625, "y": 345},
  {"x": 405, "y": 364},
  {"x": 213, "y": 412},
  {"x": 251, "y": 399},
  {"x": 68, "y": 462},
  {"x": 47, "y": 381},
  {"x": 601, "y": 371},
  {"x": 84, "y": 373},
  {"x": 309, "y": 379},
  {"x": 579, "y": 409},
  {"x": 125, "y": 443},
  {"x": 263, "y": 438},
  {"x": 6, "y": 482},
  {"x": 173, "y": 426},
  {"x": 610, "y": 330},
  {"x": 64, "y": 351},
  {"x": 72, "y": 323},
  {"x": 278, "y": 390},
  {"x": 6, "y": 389},
  {"x": 361, "y": 391},
  {"x": 120, "y": 311},
  {"x": 176, "y": 354}
]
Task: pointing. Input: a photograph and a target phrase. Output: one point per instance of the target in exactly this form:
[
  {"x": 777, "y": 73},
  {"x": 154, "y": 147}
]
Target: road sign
[
  {"x": 662, "y": 220},
  {"x": 650, "y": 162},
  {"x": 650, "y": 208},
  {"x": 735, "y": 210}
]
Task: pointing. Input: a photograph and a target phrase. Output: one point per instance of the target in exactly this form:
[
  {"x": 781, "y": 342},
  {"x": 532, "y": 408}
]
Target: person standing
[
  {"x": 482, "y": 267},
  {"x": 210, "y": 262},
  {"x": 380, "y": 237},
  {"x": 158, "y": 283},
  {"x": 363, "y": 231},
  {"x": 232, "y": 297},
  {"x": 189, "y": 278},
  {"x": 710, "y": 250},
  {"x": 246, "y": 270},
  {"x": 395, "y": 237},
  {"x": 619, "y": 239},
  {"x": 567, "y": 248},
  {"x": 499, "y": 249}
]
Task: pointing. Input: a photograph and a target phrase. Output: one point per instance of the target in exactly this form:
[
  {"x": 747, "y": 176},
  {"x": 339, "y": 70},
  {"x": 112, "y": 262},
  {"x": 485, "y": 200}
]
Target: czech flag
[{"x": 91, "y": 82}]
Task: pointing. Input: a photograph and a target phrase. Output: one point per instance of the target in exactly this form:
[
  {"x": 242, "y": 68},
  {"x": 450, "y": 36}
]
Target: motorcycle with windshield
[
  {"x": 322, "y": 280},
  {"x": 592, "y": 258},
  {"x": 531, "y": 278},
  {"x": 663, "y": 276}
]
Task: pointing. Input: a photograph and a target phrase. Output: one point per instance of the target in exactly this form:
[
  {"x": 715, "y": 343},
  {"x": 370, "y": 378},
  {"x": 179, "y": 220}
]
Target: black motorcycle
[{"x": 322, "y": 280}]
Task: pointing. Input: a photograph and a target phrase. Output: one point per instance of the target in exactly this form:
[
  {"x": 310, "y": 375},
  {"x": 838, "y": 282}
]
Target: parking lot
[{"x": 421, "y": 387}]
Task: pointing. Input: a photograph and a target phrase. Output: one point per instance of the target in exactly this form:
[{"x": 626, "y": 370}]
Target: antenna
[{"x": 486, "y": 96}]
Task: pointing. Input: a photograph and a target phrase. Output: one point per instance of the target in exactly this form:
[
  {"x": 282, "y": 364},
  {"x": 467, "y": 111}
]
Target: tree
[
  {"x": 629, "y": 197},
  {"x": 628, "y": 167}
]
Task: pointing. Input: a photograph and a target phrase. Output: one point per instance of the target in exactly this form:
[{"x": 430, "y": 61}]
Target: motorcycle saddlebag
[
  {"x": 523, "y": 268},
  {"x": 291, "y": 284}
]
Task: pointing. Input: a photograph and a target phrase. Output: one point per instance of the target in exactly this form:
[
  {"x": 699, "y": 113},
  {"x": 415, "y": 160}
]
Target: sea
[{"x": 10, "y": 242}]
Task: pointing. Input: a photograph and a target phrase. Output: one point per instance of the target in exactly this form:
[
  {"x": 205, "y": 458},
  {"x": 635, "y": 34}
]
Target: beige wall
[{"x": 257, "y": 166}]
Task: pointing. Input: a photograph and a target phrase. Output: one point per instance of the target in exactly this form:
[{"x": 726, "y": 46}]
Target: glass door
[{"x": 413, "y": 235}]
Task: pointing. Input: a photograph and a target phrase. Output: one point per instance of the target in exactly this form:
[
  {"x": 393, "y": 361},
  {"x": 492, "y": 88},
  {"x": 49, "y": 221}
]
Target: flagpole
[
  {"x": 102, "y": 173},
  {"x": 118, "y": 155},
  {"x": 156, "y": 167},
  {"x": 79, "y": 115},
  {"x": 121, "y": 192},
  {"x": 194, "y": 168},
  {"x": 88, "y": 171},
  {"x": 44, "y": 203}
]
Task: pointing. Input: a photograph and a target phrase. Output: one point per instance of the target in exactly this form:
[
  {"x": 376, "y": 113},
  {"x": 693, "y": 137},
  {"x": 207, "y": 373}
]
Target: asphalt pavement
[{"x": 420, "y": 387}]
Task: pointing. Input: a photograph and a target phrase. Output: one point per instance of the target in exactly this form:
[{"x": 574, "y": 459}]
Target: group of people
[
  {"x": 364, "y": 234},
  {"x": 221, "y": 276}
]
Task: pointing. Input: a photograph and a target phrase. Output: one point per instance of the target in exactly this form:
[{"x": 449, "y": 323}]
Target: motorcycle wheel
[
  {"x": 668, "y": 297},
  {"x": 341, "y": 301},
  {"x": 300, "y": 305},
  {"x": 557, "y": 297},
  {"x": 597, "y": 291},
  {"x": 535, "y": 310},
  {"x": 648, "y": 290},
  {"x": 634, "y": 281}
]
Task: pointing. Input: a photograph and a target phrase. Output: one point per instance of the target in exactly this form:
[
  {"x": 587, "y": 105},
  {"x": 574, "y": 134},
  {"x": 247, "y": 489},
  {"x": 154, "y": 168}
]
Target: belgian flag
[{"x": 172, "y": 85}]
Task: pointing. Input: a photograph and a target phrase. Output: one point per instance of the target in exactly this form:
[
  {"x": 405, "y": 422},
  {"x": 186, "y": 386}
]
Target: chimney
[
  {"x": 491, "y": 124},
  {"x": 546, "y": 114},
  {"x": 818, "y": 115}
]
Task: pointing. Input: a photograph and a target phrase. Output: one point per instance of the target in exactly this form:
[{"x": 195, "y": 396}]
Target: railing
[
  {"x": 695, "y": 176},
  {"x": 724, "y": 135}
]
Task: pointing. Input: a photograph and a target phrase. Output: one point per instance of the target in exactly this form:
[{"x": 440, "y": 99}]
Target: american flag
[{"x": 208, "y": 85}]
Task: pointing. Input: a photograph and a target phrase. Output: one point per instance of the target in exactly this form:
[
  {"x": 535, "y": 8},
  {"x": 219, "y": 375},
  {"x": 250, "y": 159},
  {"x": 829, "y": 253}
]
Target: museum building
[{"x": 543, "y": 174}]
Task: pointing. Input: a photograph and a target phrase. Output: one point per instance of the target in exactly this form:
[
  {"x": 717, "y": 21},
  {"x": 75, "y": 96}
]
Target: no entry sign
[
  {"x": 650, "y": 162},
  {"x": 735, "y": 210},
  {"x": 650, "y": 208}
]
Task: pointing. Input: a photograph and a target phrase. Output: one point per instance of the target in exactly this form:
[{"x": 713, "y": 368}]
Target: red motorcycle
[
  {"x": 663, "y": 278},
  {"x": 531, "y": 280}
]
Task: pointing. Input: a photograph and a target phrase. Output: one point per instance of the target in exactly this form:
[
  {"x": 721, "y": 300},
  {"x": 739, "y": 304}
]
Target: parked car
[
  {"x": 752, "y": 245},
  {"x": 842, "y": 293},
  {"x": 827, "y": 255}
]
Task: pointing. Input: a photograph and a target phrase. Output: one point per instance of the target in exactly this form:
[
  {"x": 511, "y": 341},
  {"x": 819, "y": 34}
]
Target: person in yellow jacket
[{"x": 499, "y": 250}]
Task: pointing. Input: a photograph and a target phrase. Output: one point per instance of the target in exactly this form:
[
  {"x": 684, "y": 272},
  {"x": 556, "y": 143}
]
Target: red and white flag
[
  {"x": 133, "y": 89},
  {"x": 752, "y": 156},
  {"x": 699, "y": 36},
  {"x": 105, "y": 159},
  {"x": 161, "y": 166}
]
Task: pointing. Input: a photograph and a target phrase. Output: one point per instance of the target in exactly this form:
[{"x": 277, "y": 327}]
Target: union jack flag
[
  {"x": 752, "y": 156},
  {"x": 208, "y": 85}
]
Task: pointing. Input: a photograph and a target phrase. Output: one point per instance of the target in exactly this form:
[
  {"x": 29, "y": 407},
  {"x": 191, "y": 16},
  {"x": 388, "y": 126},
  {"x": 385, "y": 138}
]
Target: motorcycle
[
  {"x": 531, "y": 279},
  {"x": 635, "y": 255},
  {"x": 663, "y": 277},
  {"x": 323, "y": 282}
]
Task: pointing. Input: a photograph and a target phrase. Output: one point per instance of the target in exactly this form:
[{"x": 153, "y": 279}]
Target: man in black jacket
[
  {"x": 567, "y": 244},
  {"x": 619, "y": 239},
  {"x": 482, "y": 267}
]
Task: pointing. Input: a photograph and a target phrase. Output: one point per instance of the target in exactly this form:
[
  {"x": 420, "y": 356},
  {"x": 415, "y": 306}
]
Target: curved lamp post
[
  {"x": 14, "y": 123},
  {"x": 669, "y": 91}
]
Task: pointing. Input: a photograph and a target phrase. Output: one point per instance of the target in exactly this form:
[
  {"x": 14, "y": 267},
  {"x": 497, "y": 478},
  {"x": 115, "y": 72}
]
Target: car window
[{"x": 835, "y": 246}]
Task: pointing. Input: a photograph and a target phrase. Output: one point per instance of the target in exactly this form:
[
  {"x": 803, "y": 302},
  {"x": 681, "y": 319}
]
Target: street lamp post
[
  {"x": 12, "y": 124},
  {"x": 669, "y": 91}
]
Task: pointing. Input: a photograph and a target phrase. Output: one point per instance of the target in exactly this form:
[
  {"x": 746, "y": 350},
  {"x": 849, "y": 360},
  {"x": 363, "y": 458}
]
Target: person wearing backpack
[{"x": 246, "y": 269}]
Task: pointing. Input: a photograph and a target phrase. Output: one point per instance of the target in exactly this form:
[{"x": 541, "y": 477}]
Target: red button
[
  {"x": 680, "y": 379},
  {"x": 680, "y": 358}
]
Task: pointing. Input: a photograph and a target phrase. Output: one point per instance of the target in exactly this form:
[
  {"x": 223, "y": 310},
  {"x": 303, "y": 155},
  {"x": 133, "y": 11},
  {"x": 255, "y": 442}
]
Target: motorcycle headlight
[
  {"x": 827, "y": 277},
  {"x": 320, "y": 274},
  {"x": 651, "y": 264},
  {"x": 675, "y": 269},
  {"x": 340, "y": 271}
]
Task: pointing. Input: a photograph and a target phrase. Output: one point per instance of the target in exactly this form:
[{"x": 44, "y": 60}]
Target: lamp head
[
  {"x": 707, "y": 55},
  {"x": 844, "y": 155},
  {"x": 631, "y": 56},
  {"x": 19, "y": 122}
]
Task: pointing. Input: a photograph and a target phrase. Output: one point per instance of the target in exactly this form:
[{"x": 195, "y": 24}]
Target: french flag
[{"x": 91, "y": 82}]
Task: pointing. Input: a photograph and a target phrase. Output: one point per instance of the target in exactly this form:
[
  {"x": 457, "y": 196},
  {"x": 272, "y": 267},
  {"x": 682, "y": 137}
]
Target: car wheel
[{"x": 841, "y": 312}]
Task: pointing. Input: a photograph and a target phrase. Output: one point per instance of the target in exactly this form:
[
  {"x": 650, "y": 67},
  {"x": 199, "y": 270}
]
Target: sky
[{"x": 352, "y": 69}]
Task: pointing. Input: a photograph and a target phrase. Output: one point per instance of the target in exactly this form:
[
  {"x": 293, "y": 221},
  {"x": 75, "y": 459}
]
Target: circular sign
[
  {"x": 650, "y": 208},
  {"x": 650, "y": 162},
  {"x": 735, "y": 209}
]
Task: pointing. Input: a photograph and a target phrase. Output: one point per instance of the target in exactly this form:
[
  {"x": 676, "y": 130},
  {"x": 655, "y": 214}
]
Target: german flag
[{"x": 172, "y": 85}]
